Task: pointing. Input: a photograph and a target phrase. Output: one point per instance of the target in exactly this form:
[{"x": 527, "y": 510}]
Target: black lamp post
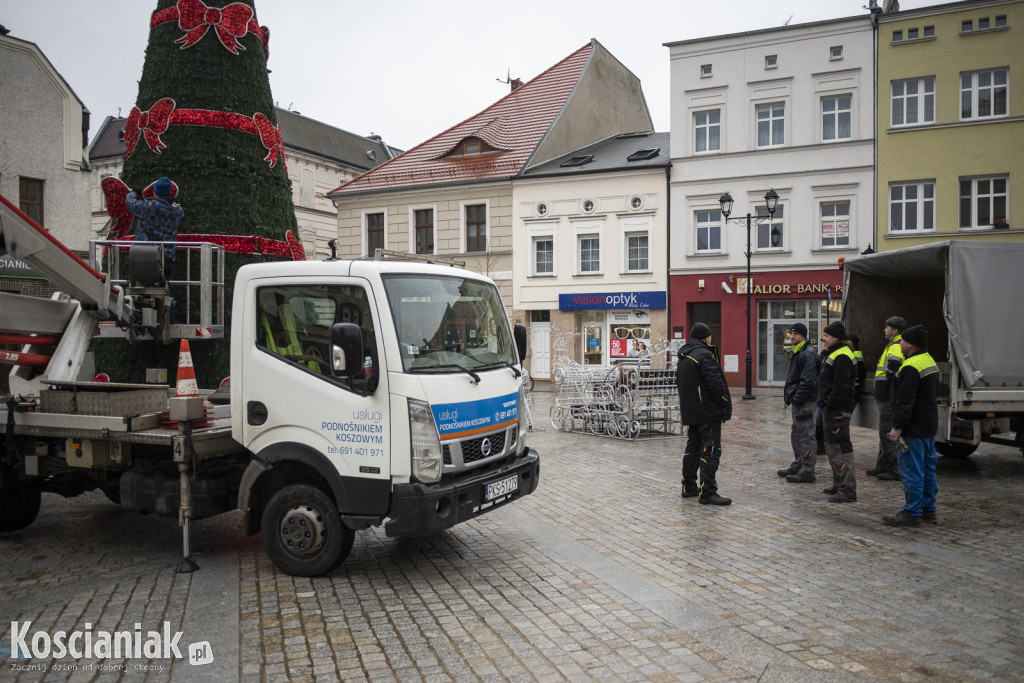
[{"x": 771, "y": 200}]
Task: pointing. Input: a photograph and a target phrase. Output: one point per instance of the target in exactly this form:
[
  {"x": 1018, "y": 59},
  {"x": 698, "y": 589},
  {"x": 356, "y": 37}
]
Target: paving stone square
[{"x": 605, "y": 573}]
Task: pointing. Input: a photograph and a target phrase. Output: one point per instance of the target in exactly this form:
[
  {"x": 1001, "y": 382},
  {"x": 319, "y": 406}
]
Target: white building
[
  {"x": 589, "y": 259},
  {"x": 789, "y": 109},
  {"x": 43, "y": 131}
]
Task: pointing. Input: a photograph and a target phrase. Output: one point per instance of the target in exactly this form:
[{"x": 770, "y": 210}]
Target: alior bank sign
[{"x": 611, "y": 300}]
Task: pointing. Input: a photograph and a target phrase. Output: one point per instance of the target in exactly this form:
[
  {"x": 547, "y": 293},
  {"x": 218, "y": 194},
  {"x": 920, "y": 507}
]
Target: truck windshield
[{"x": 449, "y": 324}]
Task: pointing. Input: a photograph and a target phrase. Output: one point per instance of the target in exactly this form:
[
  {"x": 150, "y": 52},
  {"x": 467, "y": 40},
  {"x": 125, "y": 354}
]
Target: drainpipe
[{"x": 668, "y": 245}]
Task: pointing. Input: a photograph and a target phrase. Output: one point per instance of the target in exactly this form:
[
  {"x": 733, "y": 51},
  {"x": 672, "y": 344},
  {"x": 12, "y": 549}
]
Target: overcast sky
[{"x": 403, "y": 69}]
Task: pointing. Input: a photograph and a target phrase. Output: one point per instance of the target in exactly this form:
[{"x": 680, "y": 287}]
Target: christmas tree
[{"x": 205, "y": 118}]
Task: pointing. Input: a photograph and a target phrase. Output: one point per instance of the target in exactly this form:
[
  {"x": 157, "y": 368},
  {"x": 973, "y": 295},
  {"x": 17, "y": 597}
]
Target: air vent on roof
[
  {"x": 578, "y": 161},
  {"x": 638, "y": 134},
  {"x": 641, "y": 154}
]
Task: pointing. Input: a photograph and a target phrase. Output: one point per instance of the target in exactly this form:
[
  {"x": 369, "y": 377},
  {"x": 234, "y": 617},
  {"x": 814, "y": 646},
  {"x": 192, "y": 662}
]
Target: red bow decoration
[
  {"x": 270, "y": 136},
  {"x": 115, "y": 192},
  {"x": 230, "y": 23},
  {"x": 151, "y": 124},
  {"x": 298, "y": 251}
]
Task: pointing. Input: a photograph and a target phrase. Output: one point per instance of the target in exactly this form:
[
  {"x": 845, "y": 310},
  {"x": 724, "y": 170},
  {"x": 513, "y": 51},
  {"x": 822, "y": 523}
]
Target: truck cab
[{"x": 372, "y": 392}]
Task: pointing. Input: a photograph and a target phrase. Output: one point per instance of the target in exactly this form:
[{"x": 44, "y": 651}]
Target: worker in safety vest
[
  {"x": 885, "y": 374},
  {"x": 835, "y": 397},
  {"x": 915, "y": 422}
]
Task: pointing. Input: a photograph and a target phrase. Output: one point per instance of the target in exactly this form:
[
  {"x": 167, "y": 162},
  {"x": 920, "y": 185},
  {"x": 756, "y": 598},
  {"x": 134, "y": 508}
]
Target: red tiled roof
[{"x": 515, "y": 124}]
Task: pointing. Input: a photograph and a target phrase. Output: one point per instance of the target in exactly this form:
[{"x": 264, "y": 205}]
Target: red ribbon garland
[
  {"x": 229, "y": 23},
  {"x": 151, "y": 124},
  {"x": 116, "y": 191}
]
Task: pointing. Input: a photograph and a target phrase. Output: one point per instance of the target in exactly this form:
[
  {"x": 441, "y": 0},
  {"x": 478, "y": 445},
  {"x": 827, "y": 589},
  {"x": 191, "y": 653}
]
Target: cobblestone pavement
[{"x": 605, "y": 573}]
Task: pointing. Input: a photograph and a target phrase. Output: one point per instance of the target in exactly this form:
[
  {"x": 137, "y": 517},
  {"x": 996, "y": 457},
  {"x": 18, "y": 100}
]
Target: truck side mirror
[
  {"x": 519, "y": 334},
  {"x": 346, "y": 350}
]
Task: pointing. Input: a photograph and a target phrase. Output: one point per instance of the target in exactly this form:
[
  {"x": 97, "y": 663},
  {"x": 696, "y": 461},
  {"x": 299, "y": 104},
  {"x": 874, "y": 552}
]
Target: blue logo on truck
[{"x": 459, "y": 420}]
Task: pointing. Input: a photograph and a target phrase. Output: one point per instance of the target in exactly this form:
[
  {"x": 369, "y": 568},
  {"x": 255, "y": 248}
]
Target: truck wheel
[
  {"x": 303, "y": 533},
  {"x": 955, "y": 450},
  {"x": 19, "y": 502}
]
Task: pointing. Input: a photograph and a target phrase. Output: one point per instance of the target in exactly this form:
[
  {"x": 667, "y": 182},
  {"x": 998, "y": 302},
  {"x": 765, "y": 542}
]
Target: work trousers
[
  {"x": 703, "y": 452},
  {"x": 917, "y": 472},
  {"x": 839, "y": 450},
  {"x": 801, "y": 435},
  {"x": 886, "y": 448}
]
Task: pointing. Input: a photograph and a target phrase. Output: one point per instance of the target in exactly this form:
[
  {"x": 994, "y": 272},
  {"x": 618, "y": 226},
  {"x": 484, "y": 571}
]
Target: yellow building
[{"x": 951, "y": 124}]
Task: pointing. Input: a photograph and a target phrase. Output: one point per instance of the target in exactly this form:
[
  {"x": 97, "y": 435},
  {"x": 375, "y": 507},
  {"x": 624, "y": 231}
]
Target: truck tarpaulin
[{"x": 981, "y": 289}]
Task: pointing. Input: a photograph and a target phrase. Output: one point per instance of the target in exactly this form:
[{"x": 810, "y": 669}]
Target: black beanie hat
[
  {"x": 836, "y": 329},
  {"x": 800, "y": 329},
  {"x": 916, "y": 335},
  {"x": 700, "y": 331}
]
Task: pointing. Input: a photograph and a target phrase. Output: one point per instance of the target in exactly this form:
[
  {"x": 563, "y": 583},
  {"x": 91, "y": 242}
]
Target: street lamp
[{"x": 771, "y": 200}]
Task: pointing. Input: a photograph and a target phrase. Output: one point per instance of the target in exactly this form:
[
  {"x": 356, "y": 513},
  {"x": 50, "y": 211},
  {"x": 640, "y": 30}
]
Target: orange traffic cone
[{"x": 187, "y": 385}]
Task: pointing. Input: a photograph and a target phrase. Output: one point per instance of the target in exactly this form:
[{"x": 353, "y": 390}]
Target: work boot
[
  {"x": 785, "y": 472},
  {"x": 831, "y": 490},
  {"x": 714, "y": 499},
  {"x": 840, "y": 498},
  {"x": 929, "y": 517},
  {"x": 689, "y": 494},
  {"x": 872, "y": 473},
  {"x": 801, "y": 478},
  {"x": 888, "y": 476},
  {"x": 901, "y": 518}
]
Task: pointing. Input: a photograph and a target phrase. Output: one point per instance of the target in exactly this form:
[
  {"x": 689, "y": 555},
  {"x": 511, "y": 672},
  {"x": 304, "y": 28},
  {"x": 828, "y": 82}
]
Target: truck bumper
[{"x": 422, "y": 509}]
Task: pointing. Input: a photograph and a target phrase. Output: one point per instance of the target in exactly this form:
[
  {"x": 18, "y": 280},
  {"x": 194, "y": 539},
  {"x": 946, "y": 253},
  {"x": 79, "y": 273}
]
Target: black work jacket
[
  {"x": 837, "y": 381},
  {"x": 703, "y": 392},
  {"x": 915, "y": 405},
  {"x": 802, "y": 380}
]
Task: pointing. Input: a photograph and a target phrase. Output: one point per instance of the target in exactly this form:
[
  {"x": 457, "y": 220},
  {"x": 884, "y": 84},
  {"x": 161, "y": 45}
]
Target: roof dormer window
[{"x": 471, "y": 146}]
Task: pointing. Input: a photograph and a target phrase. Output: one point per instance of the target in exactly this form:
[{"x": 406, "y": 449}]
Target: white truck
[
  {"x": 968, "y": 295},
  {"x": 385, "y": 391}
]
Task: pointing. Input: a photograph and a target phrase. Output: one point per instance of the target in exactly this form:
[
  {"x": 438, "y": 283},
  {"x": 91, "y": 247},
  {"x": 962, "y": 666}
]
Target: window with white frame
[
  {"x": 983, "y": 94},
  {"x": 543, "y": 255},
  {"x": 589, "y": 254},
  {"x": 770, "y": 233},
  {"x": 771, "y": 125},
  {"x": 982, "y": 200},
  {"x": 636, "y": 246},
  {"x": 708, "y": 226},
  {"x": 542, "y": 250},
  {"x": 912, "y": 207},
  {"x": 913, "y": 102},
  {"x": 707, "y": 126},
  {"x": 835, "y": 224},
  {"x": 835, "y": 118}
]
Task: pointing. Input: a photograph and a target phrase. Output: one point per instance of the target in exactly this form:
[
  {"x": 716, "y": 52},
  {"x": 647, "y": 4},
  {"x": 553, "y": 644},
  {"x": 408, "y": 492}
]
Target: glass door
[{"x": 592, "y": 348}]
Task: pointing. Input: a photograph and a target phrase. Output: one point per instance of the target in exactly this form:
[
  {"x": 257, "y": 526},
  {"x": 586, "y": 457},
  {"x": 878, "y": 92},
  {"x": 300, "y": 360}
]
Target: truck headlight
[{"x": 426, "y": 448}]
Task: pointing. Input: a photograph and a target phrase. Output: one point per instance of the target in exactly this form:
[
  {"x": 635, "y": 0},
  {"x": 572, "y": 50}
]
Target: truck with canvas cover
[{"x": 968, "y": 295}]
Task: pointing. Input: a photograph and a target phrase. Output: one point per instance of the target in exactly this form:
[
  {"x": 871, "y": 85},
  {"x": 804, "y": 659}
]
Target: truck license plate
[{"x": 501, "y": 488}]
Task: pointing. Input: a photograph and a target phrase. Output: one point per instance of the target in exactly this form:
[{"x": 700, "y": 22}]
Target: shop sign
[
  {"x": 611, "y": 300},
  {"x": 15, "y": 267},
  {"x": 637, "y": 316},
  {"x": 797, "y": 289}
]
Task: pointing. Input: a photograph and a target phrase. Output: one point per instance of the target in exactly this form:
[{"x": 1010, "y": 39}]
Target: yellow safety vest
[{"x": 893, "y": 350}]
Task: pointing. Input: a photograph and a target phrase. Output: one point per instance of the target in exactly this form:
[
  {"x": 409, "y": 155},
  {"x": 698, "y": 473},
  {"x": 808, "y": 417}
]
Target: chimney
[{"x": 516, "y": 84}]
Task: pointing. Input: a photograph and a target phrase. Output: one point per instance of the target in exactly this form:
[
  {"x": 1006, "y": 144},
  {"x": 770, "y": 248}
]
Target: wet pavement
[{"x": 604, "y": 573}]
